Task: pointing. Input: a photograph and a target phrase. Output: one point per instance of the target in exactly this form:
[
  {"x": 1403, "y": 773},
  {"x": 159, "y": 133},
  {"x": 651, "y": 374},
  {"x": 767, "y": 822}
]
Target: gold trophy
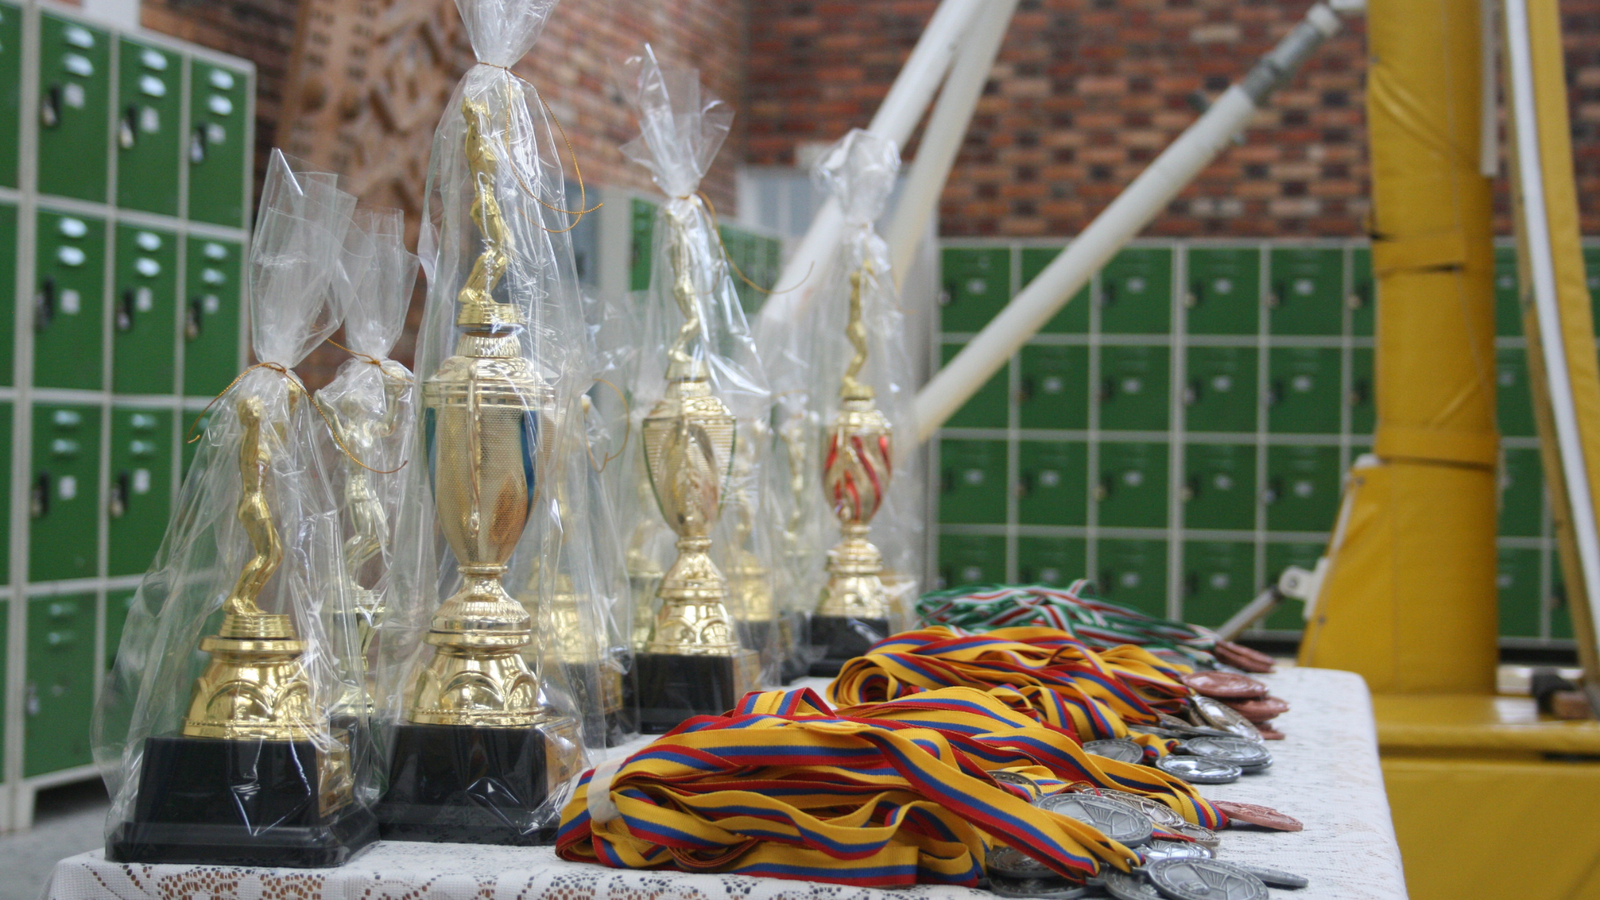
[
  {"x": 693, "y": 663},
  {"x": 480, "y": 750},
  {"x": 858, "y": 461},
  {"x": 256, "y": 775}
]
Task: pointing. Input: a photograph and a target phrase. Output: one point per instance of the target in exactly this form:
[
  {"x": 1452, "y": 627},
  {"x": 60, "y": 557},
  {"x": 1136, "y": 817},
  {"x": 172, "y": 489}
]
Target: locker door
[
  {"x": 1074, "y": 317},
  {"x": 1307, "y": 290},
  {"x": 1302, "y": 488},
  {"x": 1134, "y": 573},
  {"x": 218, "y": 179},
  {"x": 1303, "y": 390},
  {"x": 149, "y": 145},
  {"x": 989, "y": 407},
  {"x": 1218, "y": 577},
  {"x": 971, "y": 559},
  {"x": 1136, "y": 292},
  {"x": 1363, "y": 298},
  {"x": 10, "y": 91},
  {"x": 1052, "y": 484},
  {"x": 8, "y": 291},
  {"x": 141, "y": 488},
  {"x": 1289, "y": 616},
  {"x": 1517, "y": 584},
  {"x": 1224, "y": 290},
  {"x": 59, "y": 690},
  {"x": 1514, "y": 397},
  {"x": 1132, "y": 492},
  {"x": 1135, "y": 388},
  {"x": 74, "y": 106},
  {"x": 69, "y": 302},
  {"x": 1054, "y": 561},
  {"x": 1055, "y": 387},
  {"x": 1507, "y": 306},
  {"x": 117, "y": 605},
  {"x": 642, "y": 227},
  {"x": 977, "y": 283},
  {"x": 144, "y": 301},
  {"x": 63, "y": 537},
  {"x": 1521, "y": 494},
  {"x": 1363, "y": 403},
  {"x": 5, "y": 493},
  {"x": 1220, "y": 486},
  {"x": 213, "y": 286},
  {"x": 1221, "y": 393},
  {"x": 973, "y": 482}
]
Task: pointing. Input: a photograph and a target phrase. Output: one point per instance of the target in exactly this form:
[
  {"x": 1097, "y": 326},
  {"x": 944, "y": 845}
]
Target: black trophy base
[
  {"x": 620, "y": 727},
  {"x": 237, "y": 803},
  {"x": 842, "y": 639},
  {"x": 670, "y": 687},
  {"x": 471, "y": 785}
]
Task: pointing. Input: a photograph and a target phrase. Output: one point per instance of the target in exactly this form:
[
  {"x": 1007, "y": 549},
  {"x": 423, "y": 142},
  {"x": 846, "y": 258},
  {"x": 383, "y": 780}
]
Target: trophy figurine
[
  {"x": 855, "y": 609},
  {"x": 479, "y": 749},
  {"x": 693, "y": 663},
  {"x": 256, "y": 776}
]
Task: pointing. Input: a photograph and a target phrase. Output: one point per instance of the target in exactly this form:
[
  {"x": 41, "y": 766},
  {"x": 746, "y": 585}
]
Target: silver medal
[
  {"x": 1013, "y": 863},
  {"x": 1158, "y": 850},
  {"x": 1130, "y": 887},
  {"x": 1021, "y": 781},
  {"x": 1161, "y": 814},
  {"x": 1121, "y": 822},
  {"x": 1053, "y": 888},
  {"x": 1278, "y": 878},
  {"x": 1204, "y": 879},
  {"x": 1200, "y": 834},
  {"x": 1119, "y": 749},
  {"x": 1222, "y": 716},
  {"x": 1234, "y": 751},
  {"x": 1199, "y": 769}
]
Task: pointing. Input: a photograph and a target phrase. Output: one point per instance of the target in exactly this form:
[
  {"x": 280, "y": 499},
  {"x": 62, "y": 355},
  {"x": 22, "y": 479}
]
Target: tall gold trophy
[
  {"x": 480, "y": 750},
  {"x": 693, "y": 663},
  {"x": 855, "y": 610},
  {"x": 256, "y": 776}
]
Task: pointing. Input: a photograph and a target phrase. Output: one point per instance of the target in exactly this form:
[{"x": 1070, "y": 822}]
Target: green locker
[
  {"x": 74, "y": 108},
  {"x": 1591, "y": 268},
  {"x": 1307, "y": 293},
  {"x": 5, "y": 496},
  {"x": 1517, "y": 584},
  {"x": 1054, "y": 561},
  {"x": 977, "y": 284},
  {"x": 1521, "y": 494},
  {"x": 1224, "y": 293},
  {"x": 1221, "y": 393},
  {"x": 69, "y": 301},
  {"x": 1302, "y": 488},
  {"x": 1132, "y": 492},
  {"x": 1052, "y": 484},
  {"x": 643, "y": 229},
  {"x": 59, "y": 690},
  {"x": 64, "y": 502},
  {"x": 1055, "y": 387},
  {"x": 1072, "y": 318},
  {"x": 1135, "y": 388},
  {"x": 973, "y": 482},
  {"x": 5, "y": 643},
  {"x": 1134, "y": 573},
  {"x": 10, "y": 91},
  {"x": 8, "y": 291},
  {"x": 1363, "y": 299},
  {"x": 1218, "y": 580},
  {"x": 1219, "y": 489},
  {"x": 218, "y": 145},
  {"x": 1362, "y": 400},
  {"x": 1289, "y": 616},
  {"x": 1136, "y": 292},
  {"x": 140, "y": 490},
  {"x": 1560, "y": 618},
  {"x": 213, "y": 274},
  {"x": 192, "y": 422},
  {"x": 144, "y": 302},
  {"x": 117, "y": 605},
  {"x": 149, "y": 140},
  {"x": 989, "y": 407},
  {"x": 1515, "y": 413},
  {"x": 1303, "y": 390},
  {"x": 971, "y": 559},
  {"x": 1507, "y": 303}
]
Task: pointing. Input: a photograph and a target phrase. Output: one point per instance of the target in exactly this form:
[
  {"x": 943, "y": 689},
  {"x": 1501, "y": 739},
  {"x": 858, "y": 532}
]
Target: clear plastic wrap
[
  {"x": 219, "y": 731},
  {"x": 485, "y": 724},
  {"x": 861, "y": 391},
  {"x": 698, "y": 395}
]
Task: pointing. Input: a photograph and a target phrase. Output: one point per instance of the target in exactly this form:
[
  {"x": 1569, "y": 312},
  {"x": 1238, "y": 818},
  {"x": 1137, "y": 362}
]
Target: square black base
[
  {"x": 670, "y": 688},
  {"x": 842, "y": 639},
  {"x": 468, "y": 785},
  {"x": 237, "y": 803}
]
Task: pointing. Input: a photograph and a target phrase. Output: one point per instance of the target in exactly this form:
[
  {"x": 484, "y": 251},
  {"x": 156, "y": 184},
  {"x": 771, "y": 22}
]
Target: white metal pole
[
  {"x": 899, "y": 113},
  {"x": 947, "y": 127},
  {"x": 1125, "y": 217},
  {"x": 1530, "y": 173}
]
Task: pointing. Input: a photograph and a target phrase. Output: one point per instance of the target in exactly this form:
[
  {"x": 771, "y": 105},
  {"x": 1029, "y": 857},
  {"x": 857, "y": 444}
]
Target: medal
[
  {"x": 1259, "y": 709},
  {"x": 1242, "y": 656},
  {"x": 1224, "y": 685},
  {"x": 1221, "y": 716},
  {"x": 1119, "y": 749},
  {"x": 1278, "y": 877},
  {"x": 1121, "y": 822},
  {"x": 1204, "y": 879},
  {"x": 1265, "y": 816},
  {"x": 1013, "y": 863},
  {"x": 1270, "y": 734},
  {"x": 1247, "y": 755},
  {"x": 1199, "y": 770},
  {"x": 1046, "y": 888},
  {"x": 1018, "y": 779},
  {"x": 1164, "y": 816},
  {"x": 1200, "y": 834},
  {"x": 1159, "y": 850},
  {"x": 1124, "y": 886}
]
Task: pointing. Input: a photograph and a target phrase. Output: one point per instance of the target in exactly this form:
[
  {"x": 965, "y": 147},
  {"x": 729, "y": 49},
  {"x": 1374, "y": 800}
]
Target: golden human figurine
[
  {"x": 856, "y": 331},
  {"x": 483, "y": 159},
  {"x": 255, "y": 515}
]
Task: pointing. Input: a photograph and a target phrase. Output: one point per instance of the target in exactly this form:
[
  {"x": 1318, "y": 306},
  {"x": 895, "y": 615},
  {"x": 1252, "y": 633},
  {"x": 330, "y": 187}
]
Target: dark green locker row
[
  {"x": 148, "y": 317},
  {"x": 79, "y": 99},
  {"x": 60, "y": 676}
]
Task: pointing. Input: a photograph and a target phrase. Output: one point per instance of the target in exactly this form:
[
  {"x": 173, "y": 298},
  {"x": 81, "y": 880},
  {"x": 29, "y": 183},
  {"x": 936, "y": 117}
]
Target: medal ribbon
[{"x": 1073, "y": 609}]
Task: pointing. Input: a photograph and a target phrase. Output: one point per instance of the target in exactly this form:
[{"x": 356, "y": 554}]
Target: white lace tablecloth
[{"x": 1326, "y": 775}]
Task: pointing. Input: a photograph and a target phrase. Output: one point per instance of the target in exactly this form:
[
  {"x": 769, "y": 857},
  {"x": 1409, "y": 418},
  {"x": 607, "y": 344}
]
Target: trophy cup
[
  {"x": 693, "y": 663},
  {"x": 480, "y": 750},
  {"x": 255, "y": 776},
  {"x": 857, "y": 464}
]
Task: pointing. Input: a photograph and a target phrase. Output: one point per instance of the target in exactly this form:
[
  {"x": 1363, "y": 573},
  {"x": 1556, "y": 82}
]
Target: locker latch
[
  {"x": 197, "y": 145},
  {"x": 39, "y": 496},
  {"x": 128, "y": 127},
  {"x": 192, "y": 319},
  {"x": 125, "y": 311},
  {"x": 50, "y": 107},
  {"x": 44, "y": 305},
  {"x": 119, "y": 496}
]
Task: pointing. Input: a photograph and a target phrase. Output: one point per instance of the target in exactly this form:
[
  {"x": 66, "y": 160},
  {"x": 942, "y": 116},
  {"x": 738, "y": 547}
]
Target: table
[{"x": 1326, "y": 775}]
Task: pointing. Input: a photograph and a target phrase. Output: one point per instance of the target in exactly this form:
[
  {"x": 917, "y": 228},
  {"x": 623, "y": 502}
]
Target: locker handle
[
  {"x": 1108, "y": 293},
  {"x": 125, "y": 309},
  {"x": 118, "y": 505},
  {"x": 44, "y": 305},
  {"x": 1196, "y": 294},
  {"x": 1275, "y": 296},
  {"x": 1273, "y": 492},
  {"x": 50, "y": 107},
  {"x": 1275, "y": 393},
  {"x": 193, "y": 319},
  {"x": 128, "y": 127},
  {"x": 197, "y": 145},
  {"x": 39, "y": 496}
]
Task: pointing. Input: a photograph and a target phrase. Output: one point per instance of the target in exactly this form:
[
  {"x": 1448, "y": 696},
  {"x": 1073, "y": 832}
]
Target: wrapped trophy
[
  {"x": 861, "y": 391},
  {"x": 224, "y": 730},
  {"x": 700, "y": 392},
  {"x": 486, "y": 731}
]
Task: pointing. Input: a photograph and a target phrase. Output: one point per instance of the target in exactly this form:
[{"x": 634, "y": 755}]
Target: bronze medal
[
  {"x": 1259, "y": 709},
  {"x": 1224, "y": 685},
  {"x": 1264, "y": 816},
  {"x": 1242, "y": 657}
]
